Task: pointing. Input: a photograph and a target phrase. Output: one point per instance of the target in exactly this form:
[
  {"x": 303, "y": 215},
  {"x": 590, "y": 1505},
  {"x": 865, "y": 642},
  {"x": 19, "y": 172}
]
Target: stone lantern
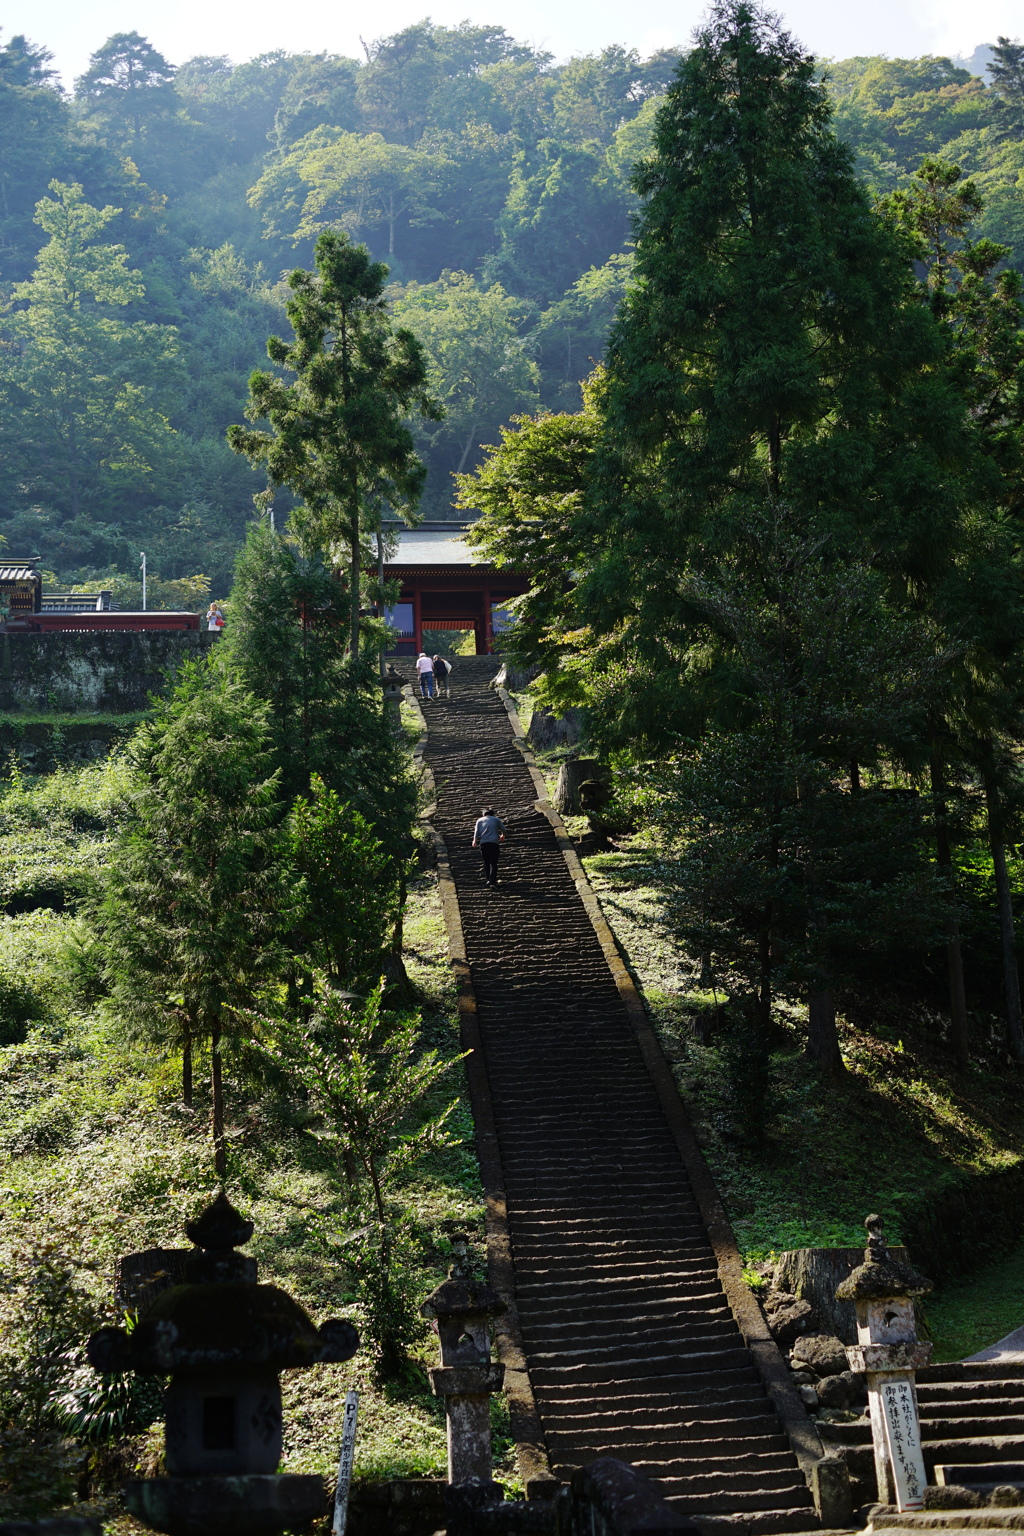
[
  {"x": 223, "y": 1339},
  {"x": 888, "y": 1352},
  {"x": 467, "y": 1377},
  {"x": 392, "y": 682}
]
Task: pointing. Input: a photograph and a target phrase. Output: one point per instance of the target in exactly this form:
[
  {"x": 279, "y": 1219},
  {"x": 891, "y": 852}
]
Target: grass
[
  {"x": 61, "y": 719},
  {"x": 975, "y": 1313}
]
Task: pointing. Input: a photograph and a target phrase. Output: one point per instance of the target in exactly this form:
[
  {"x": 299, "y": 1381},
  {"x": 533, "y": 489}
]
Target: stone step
[
  {"x": 630, "y": 1343},
  {"x": 989, "y": 1474}
]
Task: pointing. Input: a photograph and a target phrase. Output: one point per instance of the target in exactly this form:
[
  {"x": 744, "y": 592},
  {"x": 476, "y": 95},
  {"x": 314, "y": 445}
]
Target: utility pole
[{"x": 143, "y": 582}]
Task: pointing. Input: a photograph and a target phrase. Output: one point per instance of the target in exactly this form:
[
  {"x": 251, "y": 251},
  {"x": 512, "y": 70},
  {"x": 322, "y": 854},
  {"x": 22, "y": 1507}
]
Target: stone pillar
[
  {"x": 888, "y": 1352},
  {"x": 462, "y": 1309}
]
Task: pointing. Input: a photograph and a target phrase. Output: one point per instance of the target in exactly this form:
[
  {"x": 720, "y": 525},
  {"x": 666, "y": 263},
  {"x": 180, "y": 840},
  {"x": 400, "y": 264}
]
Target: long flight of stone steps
[
  {"x": 972, "y": 1426},
  {"x": 631, "y": 1346}
]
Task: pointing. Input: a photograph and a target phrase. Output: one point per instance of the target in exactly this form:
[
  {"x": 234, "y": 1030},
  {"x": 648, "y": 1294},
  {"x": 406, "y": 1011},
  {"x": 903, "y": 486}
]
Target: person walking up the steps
[
  {"x": 442, "y": 675},
  {"x": 425, "y": 672},
  {"x": 488, "y": 836}
]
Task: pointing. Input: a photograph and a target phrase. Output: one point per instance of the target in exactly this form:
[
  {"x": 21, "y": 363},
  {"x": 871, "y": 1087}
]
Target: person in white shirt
[{"x": 425, "y": 672}]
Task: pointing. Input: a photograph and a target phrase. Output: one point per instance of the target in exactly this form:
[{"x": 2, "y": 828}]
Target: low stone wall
[
  {"x": 105, "y": 671},
  {"x": 42, "y": 745}
]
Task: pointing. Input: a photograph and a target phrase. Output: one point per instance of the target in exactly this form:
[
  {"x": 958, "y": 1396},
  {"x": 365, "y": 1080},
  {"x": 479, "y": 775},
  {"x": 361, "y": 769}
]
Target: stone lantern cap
[
  {"x": 221, "y": 1316},
  {"x": 881, "y": 1276},
  {"x": 461, "y": 1293}
]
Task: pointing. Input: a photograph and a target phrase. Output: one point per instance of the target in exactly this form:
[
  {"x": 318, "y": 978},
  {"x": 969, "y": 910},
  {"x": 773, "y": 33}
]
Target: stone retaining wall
[
  {"x": 42, "y": 745},
  {"x": 103, "y": 671}
]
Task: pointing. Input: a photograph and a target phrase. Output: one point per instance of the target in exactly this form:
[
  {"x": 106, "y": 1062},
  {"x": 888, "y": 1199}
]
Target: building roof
[
  {"x": 429, "y": 546},
  {"x": 18, "y": 573}
]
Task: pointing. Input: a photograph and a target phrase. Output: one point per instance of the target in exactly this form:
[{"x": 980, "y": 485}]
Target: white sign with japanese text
[
  {"x": 903, "y": 1436},
  {"x": 348, "y": 1452}
]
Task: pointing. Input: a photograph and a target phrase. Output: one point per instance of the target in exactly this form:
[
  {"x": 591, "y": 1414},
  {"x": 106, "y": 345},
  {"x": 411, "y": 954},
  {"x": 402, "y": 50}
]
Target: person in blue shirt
[{"x": 488, "y": 836}]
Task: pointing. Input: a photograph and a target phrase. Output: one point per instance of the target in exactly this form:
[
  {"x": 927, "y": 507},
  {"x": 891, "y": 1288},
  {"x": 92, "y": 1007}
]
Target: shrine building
[{"x": 446, "y": 585}]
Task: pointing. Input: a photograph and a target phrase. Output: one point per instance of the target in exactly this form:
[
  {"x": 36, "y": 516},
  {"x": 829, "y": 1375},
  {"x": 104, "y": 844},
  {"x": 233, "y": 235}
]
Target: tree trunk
[
  {"x": 574, "y": 772},
  {"x": 465, "y": 452},
  {"x": 380, "y": 583},
  {"x": 822, "y": 1036},
  {"x": 764, "y": 991},
  {"x": 355, "y": 572},
  {"x": 954, "y": 956},
  {"x": 1011, "y": 976},
  {"x": 220, "y": 1161},
  {"x": 396, "y": 977},
  {"x": 186, "y": 1070}
]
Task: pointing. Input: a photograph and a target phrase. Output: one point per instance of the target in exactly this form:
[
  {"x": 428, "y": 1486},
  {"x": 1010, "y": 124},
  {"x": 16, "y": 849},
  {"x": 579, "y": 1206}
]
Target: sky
[{"x": 180, "y": 29}]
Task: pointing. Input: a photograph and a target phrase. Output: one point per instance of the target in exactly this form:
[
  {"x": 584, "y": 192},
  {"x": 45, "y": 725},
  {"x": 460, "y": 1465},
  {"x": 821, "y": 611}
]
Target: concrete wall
[{"x": 112, "y": 671}]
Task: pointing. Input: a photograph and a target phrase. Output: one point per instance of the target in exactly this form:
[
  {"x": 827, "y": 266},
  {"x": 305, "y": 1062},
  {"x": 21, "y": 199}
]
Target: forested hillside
[{"x": 146, "y": 219}]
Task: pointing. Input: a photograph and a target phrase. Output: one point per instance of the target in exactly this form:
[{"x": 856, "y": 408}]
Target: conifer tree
[
  {"x": 128, "y": 85},
  {"x": 338, "y": 435},
  {"x": 194, "y": 905}
]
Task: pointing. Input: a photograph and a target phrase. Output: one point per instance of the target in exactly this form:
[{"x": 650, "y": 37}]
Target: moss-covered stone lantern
[
  {"x": 467, "y": 1378},
  {"x": 887, "y": 1351},
  {"x": 223, "y": 1339},
  {"x": 392, "y": 682}
]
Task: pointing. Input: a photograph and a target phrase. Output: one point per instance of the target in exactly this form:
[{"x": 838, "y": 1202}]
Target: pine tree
[
  {"x": 771, "y": 341},
  {"x": 338, "y": 435}
]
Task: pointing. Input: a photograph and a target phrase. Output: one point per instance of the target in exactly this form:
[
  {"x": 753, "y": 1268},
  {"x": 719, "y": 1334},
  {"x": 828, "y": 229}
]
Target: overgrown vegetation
[{"x": 101, "y": 1158}]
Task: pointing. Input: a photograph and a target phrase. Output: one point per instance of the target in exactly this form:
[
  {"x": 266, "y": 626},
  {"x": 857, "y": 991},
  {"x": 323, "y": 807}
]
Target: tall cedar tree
[
  {"x": 771, "y": 346},
  {"x": 194, "y": 899},
  {"x": 771, "y": 349},
  {"x": 338, "y": 435}
]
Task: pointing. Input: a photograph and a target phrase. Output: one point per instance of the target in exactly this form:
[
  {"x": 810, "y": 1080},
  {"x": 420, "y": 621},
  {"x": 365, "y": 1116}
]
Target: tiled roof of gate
[
  {"x": 18, "y": 573},
  {"x": 422, "y": 546}
]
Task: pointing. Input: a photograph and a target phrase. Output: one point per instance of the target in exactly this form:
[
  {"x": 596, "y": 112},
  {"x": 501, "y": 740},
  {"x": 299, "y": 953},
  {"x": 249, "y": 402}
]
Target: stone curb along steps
[{"x": 631, "y": 1331}]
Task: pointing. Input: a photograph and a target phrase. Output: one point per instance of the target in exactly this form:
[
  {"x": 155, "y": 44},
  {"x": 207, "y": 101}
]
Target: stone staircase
[
  {"x": 631, "y": 1347},
  {"x": 972, "y": 1428}
]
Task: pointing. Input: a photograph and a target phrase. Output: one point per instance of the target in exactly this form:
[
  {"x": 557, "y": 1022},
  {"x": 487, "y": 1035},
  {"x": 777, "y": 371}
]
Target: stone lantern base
[{"x": 252, "y": 1505}]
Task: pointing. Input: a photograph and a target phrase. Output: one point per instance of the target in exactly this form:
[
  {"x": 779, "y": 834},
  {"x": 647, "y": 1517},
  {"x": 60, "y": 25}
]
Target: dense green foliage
[
  {"x": 493, "y": 182},
  {"x": 777, "y": 555}
]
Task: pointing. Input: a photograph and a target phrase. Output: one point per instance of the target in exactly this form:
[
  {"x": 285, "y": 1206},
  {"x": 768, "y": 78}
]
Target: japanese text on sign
[{"x": 903, "y": 1436}]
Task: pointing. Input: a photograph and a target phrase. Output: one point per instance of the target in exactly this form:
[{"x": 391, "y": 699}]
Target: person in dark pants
[
  {"x": 488, "y": 836},
  {"x": 442, "y": 674}
]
